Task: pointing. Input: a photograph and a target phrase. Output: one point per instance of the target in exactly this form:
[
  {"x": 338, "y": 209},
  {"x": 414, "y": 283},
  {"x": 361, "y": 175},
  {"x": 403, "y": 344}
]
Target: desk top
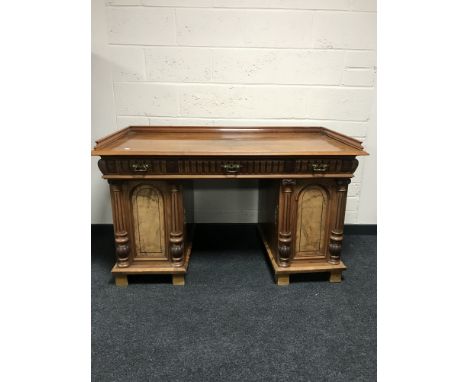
[{"x": 227, "y": 141}]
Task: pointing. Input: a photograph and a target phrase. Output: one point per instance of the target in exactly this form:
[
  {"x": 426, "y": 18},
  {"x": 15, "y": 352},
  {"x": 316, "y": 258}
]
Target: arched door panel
[
  {"x": 311, "y": 223},
  {"x": 148, "y": 222}
]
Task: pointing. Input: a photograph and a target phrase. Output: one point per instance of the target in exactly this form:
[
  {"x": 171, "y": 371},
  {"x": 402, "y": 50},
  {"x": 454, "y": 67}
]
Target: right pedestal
[{"x": 301, "y": 224}]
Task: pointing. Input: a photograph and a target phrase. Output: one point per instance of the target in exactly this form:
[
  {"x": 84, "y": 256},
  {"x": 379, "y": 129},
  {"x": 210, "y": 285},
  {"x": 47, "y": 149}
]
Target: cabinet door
[
  {"x": 311, "y": 228},
  {"x": 148, "y": 214}
]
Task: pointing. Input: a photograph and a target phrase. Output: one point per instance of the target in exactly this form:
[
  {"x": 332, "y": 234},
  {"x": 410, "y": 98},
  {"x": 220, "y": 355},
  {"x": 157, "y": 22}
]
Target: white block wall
[{"x": 246, "y": 62}]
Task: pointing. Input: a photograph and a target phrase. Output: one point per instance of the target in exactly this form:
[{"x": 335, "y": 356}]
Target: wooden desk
[{"x": 303, "y": 175}]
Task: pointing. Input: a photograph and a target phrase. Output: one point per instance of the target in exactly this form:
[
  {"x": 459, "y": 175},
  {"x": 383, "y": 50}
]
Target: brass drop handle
[
  {"x": 140, "y": 167},
  {"x": 319, "y": 167},
  {"x": 231, "y": 168}
]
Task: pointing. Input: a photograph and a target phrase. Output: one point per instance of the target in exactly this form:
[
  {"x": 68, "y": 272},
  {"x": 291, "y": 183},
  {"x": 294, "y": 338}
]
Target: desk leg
[
  {"x": 121, "y": 280},
  {"x": 178, "y": 279},
  {"x": 335, "y": 276},
  {"x": 282, "y": 279}
]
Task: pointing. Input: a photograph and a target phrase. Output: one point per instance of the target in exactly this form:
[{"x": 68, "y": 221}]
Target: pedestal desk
[{"x": 303, "y": 175}]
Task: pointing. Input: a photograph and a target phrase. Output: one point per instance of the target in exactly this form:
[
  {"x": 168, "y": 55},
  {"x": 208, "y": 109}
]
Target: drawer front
[{"x": 228, "y": 166}]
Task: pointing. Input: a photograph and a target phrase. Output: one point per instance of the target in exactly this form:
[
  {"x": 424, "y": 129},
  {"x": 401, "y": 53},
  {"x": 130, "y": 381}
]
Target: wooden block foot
[
  {"x": 282, "y": 279},
  {"x": 335, "y": 276},
  {"x": 178, "y": 279},
  {"x": 121, "y": 280}
]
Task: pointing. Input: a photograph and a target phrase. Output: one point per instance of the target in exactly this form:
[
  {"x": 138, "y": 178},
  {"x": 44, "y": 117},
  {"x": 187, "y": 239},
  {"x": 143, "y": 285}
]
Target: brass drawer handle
[
  {"x": 319, "y": 167},
  {"x": 140, "y": 167},
  {"x": 231, "y": 168}
]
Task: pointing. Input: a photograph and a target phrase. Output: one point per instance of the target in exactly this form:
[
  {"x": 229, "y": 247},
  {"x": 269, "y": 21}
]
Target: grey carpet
[{"x": 230, "y": 322}]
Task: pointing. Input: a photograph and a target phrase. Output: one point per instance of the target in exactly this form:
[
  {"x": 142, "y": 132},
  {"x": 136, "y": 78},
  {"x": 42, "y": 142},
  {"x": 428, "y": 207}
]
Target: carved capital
[
  {"x": 342, "y": 184},
  {"x": 115, "y": 184},
  {"x": 288, "y": 182},
  {"x": 102, "y": 166},
  {"x": 355, "y": 165}
]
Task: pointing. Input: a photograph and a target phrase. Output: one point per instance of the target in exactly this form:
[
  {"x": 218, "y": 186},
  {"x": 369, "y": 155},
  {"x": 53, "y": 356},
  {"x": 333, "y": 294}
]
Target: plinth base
[
  {"x": 178, "y": 273},
  {"x": 282, "y": 273}
]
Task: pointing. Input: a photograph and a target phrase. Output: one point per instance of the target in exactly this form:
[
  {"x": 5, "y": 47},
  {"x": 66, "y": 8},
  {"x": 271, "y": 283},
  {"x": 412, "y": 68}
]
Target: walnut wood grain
[
  {"x": 148, "y": 217},
  {"x": 300, "y": 267},
  {"x": 178, "y": 279},
  {"x": 176, "y": 236},
  {"x": 121, "y": 280},
  {"x": 163, "y": 268},
  {"x": 336, "y": 237},
  {"x": 335, "y": 276},
  {"x": 284, "y": 222},
  {"x": 304, "y": 174},
  {"x": 311, "y": 219},
  {"x": 282, "y": 280},
  {"x": 240, "y": 166},
  {"x": 119, "y": 217},
  {"x": 232, "y": 141}
]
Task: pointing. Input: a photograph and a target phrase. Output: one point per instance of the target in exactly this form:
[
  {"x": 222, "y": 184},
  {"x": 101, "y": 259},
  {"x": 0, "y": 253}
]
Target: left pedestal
[{"x": 151, "y": 236}]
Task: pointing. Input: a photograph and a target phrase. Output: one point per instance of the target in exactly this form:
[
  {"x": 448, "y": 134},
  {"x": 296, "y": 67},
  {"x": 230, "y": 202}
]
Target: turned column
[
  {"x": 336, "y": 236},
  {"x": 176, "y": 235},
  {"x": 122, "y": 248},
  {"x": 284, "y": 222}
]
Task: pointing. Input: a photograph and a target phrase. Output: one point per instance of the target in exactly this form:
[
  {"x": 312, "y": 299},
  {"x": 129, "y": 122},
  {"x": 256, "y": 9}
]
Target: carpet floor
[{"x": 230, "y": 322}]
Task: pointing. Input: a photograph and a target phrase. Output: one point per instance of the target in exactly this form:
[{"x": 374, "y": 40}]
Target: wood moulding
[
  {"x": 227, "y": 141},
  {"x": 152, "y": 165},
  {"x": 302, "y": 267},
  {"x": 120, "y": 274}
]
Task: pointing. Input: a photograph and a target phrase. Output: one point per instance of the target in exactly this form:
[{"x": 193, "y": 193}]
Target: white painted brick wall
[
  {"x": 244, "y": 62},
  {"x": 266, "y": 66},
  {"x": 284, "y": 4},
  {"x": 128, "y": 63},
  {"x": 234, "y": 101},
  {"x": 176, "y": 64},
  {"x": 358, "y": 77},
  {"x": 146, "y": 99}
]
